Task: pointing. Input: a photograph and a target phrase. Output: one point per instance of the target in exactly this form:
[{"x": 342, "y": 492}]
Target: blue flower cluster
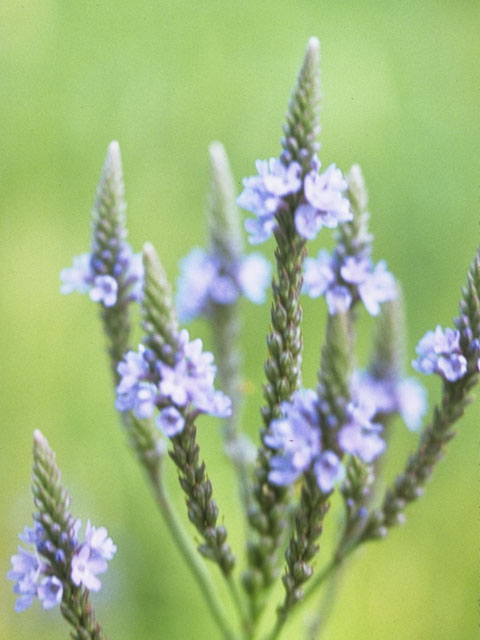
[
  {"x": 182, "y": 388},
  {"x": 405, "y": 396},
  {"x": 35, "y": 576},
  {"x": 89, "y": 274},
  {"x": 319, "y": 200},
  {"x": 207, "y": 279},
  {"x": 345, "y": 279},
  {"x": 297, "y": 437},
  {"x": 439, "y": 352}
]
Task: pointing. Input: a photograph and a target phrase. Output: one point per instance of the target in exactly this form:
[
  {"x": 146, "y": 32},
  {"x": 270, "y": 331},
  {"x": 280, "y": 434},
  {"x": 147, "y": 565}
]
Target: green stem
[
  {"x": 334, "y": 564},
  {"x": 191, "y": 557},
  {"x": 239, "y": 605}
]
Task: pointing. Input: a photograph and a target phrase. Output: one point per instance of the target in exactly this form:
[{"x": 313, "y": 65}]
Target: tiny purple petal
[
  {"x": 104, "y": 290},
  {"x": 307, "y": 222},
  {"x": 170, "y": 421},
  {"x": 328, "y": 471},
  {"x": 318, "y": 275},
  {"x": 254, "y": 277},
  {"x": 338, "y": 299},
  {"x": 50, "y": 592}
]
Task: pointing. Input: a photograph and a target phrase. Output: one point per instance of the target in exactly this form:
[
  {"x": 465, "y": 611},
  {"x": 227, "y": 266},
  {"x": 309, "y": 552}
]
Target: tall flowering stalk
[
  {"x": 283, "y": 367},
  {"x": 184, "y": 371},
  {"x": 319, "y": 479},
  {"x": 211, "y": 283},
  {"x": 454, "y": 355},
  {"x": 61, "y": 571},
  {"x": 112, "y": 275}
]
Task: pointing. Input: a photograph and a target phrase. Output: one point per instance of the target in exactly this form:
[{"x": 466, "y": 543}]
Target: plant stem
[{"x": 191, "y": 557}]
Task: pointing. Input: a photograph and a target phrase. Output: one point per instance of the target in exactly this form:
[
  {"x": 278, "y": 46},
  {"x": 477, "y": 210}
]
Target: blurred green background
[{"x": 401, "y": 86}]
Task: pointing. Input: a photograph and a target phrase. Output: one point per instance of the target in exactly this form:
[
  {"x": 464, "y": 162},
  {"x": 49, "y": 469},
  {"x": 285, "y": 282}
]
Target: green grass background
[{"x": 402, "y": 97}]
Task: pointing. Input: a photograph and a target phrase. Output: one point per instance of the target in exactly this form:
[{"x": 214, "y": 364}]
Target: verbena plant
[{"x": 312, "y": 442}]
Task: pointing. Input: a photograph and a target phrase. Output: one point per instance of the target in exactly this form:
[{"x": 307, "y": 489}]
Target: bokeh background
[{"x": 401, "y": 86}]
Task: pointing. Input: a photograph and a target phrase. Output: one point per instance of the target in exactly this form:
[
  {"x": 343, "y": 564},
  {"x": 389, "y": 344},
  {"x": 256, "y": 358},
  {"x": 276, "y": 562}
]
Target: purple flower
[
  {"x": 198, "y": 272},
  {"x": 378, "y": 287},
  {"x": 78, "y": 277},
  {"x": 170, "y": 421},
  {"x": 412, "y": 402},
  {"x": 50, "y": 592},
  {"x": 297, "y": 437},
  {"x": 144, "y": 400},
  {"x": 207, "y": 279},
  {"x": 133, "y": 369},
  {"x": 254, "y": 277},
  {"x": 259, "y": 229},
  {"x": 319, "y": 274},
  {"x": 359, "y": 436},
  {"x": 25, "y": 570},
  {"x": 97, "y": 276},
  {"x": 406, "y": 396},
  {"x": 100, "y": 544},
  {"x": 325, "y": 205},
  {"x": 345, "y": 280},
  {"x": 32, "y": 535},
  {"x": 90, "y": 558},
  {"x": 439, "y": 352},
  {"x": 322, "y": 203},
  {"x": 104, "y": 290},
  {"x": 328, "y": 470},
  {"x": 186, "y": 384},
  {"x": 263, "y": 194},
  {"x": 85, "y": 567},
  {"x": 339, "y": 299}
]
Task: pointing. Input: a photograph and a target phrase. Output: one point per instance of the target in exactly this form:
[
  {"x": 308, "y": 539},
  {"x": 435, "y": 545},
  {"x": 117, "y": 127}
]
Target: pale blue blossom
[
  {"x": 328, "y": 470},
  {"x": 297, "y": 439},
  {"x": 405, "y": 396},
  {"x": 344, "y": 280},
  {"x": 50, "y": 592},
  {"x": 91, "y": 557},
  {"x": 325, "y": 205},
  {"x": 320, "y": 201},
  {"x": 360, "y": 436},
  {"x": 78, "y": 277},
  {"x": 184, "y": 383},
  {"x": 439, "y": 352},
  {"x": 104, "y": 290},
  {"x": 206, "y": 280},
  {"x": 25, "y": 571},
  {"x": 104, "y": 281},
  {"x": 170, "y": 421}
]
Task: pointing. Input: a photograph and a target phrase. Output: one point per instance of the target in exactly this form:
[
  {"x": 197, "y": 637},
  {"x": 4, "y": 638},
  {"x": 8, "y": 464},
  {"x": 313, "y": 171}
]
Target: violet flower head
[
  {"x": 323, "y": 204},
  {"x": 320, "y": 200},
  {"x": 26, "y": 571},
  {"x": 263, "y": 195},
  {"x": 184, "y": 385},
  {"x": 359, "y": 436},
  {"x": 207, "y": 279},
  {"x": 297, "y": 438},
  {"x": 439, "y": 352},
  {"x": 50, "y": 592},
  {"x": 87, "y": 275},
  {"x": 345, "y": 280},
  {"x": 405, "y": 396},
  {"x": 78, "y": 277},
  {"x": 90, "y": 558},
  {"x": 111, "y": 273}
]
